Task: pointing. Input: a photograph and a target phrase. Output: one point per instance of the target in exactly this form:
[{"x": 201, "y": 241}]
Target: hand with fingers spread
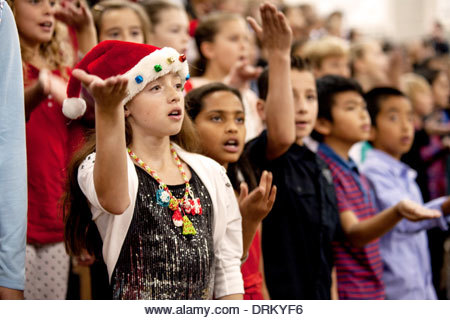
[
  {"x": 256, "y": 205},
  {"x": 415, "y": 212},
  {"x": 75, "y": 13},
  {"x": 275, "y": 33},
  {"x": 108, "y": 93}
]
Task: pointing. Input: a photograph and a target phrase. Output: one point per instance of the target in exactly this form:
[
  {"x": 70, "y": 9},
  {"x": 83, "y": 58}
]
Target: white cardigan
[{"x": 227, "y": 228}]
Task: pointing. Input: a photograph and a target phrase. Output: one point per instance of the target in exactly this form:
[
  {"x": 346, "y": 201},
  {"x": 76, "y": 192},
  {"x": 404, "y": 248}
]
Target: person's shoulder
[
  {"x": 89, "y": 160},
  {"x": 373, "y": 164},
  {"x": 86, "y": 166}
]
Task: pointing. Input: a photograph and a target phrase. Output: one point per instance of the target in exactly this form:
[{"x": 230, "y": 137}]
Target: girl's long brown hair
[{"x": 80, "y": 231}]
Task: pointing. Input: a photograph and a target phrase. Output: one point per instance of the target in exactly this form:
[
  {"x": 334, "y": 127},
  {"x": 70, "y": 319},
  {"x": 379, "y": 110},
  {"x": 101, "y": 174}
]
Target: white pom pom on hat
[
  {"x": 74, "y": 108},
  {"x": 140, "y": 63}
]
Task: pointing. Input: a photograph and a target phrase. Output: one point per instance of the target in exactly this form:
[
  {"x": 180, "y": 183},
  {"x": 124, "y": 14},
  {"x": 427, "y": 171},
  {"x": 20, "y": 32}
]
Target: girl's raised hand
[
  {"x": 108, "y": 93},
  {"x": 75, "y": 13},
  {"x": 275, "y": 33},
  {"x": 257, "y": 205}
]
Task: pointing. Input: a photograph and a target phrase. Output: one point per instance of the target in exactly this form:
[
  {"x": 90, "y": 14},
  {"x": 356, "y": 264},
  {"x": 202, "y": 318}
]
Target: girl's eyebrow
[
  {"x": 225, "y": 111},
  {"x": 112, "y": 29}
]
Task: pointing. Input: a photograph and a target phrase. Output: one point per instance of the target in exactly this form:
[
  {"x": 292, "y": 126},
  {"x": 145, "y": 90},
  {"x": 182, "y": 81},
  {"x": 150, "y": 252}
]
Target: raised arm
[
  {"x": 76, "y": 13},
  {"x": 276, "y": 36},
  {"x": 110, "y": 168}
]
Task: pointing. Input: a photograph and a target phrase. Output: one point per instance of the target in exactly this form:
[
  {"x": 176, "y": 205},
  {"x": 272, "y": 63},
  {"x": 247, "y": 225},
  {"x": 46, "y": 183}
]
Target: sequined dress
[{"x": 156, "y": 260}]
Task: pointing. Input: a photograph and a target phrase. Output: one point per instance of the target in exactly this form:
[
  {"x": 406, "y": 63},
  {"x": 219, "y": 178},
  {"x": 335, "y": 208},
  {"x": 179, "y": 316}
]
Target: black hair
[
  {"x": 327, "y": 88},
  {"x": 194, "y": 105},
  {"x": 297, "y": 63},
  {"x": 376, "y": 96},
  {"x": 194, "y": 99}
]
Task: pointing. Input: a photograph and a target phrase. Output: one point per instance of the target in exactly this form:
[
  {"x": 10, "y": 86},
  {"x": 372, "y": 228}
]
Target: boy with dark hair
[
  {"x": 343, "y": 121},
  {"x": 404, "y": 249},
  {"x": 297, "y": 233}
]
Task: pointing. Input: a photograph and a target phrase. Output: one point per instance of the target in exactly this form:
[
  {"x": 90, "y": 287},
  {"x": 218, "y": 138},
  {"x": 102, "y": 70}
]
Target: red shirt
[
  {"x": 51, "y": 140},
  {"x": 359, "y": 270},
  {"x": 250, "y": 271}
]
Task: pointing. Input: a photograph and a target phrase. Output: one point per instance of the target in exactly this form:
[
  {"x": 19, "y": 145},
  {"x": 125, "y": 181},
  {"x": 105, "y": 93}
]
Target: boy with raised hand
[
  {"x": 342, "y": 121},
  {"x": 297, "y": 233},
  {"x": 404, "y": 249}
]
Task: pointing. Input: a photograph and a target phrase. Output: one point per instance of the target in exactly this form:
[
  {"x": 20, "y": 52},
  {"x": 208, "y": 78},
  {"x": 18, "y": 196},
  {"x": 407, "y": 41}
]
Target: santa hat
[{"x": 139, "y": 63}]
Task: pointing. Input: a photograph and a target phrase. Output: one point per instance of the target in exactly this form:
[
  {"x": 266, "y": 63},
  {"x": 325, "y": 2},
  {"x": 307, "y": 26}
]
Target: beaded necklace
[{"x": 164, "y": 197}]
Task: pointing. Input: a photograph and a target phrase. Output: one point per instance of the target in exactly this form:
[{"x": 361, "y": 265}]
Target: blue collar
[{"x": 346, "y": 164}]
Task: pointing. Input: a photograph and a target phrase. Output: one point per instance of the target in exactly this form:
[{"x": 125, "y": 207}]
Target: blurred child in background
[
  {"x": 51, "y": 140},
  {"x": 169, "y": 25},
  {"x": 328, "y": 56},
  {"x": 224, "y": 46},
  {"x": 121, "y": 20}
]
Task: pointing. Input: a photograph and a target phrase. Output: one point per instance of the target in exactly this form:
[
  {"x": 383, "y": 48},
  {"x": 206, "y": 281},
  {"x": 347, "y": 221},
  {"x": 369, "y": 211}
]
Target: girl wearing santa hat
[{"x": 168, "y": 219}]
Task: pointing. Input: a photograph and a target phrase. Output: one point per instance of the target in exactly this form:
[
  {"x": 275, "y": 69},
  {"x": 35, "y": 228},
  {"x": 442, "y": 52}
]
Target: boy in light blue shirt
[{"x": 404, "y": 249}]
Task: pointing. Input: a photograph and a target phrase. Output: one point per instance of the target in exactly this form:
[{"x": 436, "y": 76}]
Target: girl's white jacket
[{"x": 227, "y": 228}]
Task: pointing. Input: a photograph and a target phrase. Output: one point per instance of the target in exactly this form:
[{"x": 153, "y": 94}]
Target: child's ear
[
  {"x": 127, "y": 112},
  {"x": 206, "y": 48},
  {"x": 260, "y": 105},
  {"x": 323, "y": 126}
]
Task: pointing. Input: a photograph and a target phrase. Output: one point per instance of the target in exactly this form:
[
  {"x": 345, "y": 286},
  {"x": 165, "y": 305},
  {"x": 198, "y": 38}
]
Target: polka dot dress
[{"x": 46, "y": 271}]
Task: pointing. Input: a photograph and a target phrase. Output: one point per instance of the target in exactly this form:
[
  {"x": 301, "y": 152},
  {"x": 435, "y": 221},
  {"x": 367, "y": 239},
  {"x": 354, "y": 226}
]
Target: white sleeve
[
  {"x": 86, "y": 183},
  {"x": 229, "y": 248}
]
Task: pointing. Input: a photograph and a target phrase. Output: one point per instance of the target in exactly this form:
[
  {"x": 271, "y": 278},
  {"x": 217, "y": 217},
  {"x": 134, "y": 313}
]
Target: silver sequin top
[{"x": 156, "y": 260}]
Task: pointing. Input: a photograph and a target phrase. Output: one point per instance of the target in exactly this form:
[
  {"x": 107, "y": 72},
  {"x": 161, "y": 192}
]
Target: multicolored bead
[
  {"x": 165, "y": 198},
  {"x": 177, "y": 218},
  {"x": 188, "y": 228},
  {"x": 173, "y": 204},
  {"x": 162, "y": 198},
  {"x": 139, "y": 79}
]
